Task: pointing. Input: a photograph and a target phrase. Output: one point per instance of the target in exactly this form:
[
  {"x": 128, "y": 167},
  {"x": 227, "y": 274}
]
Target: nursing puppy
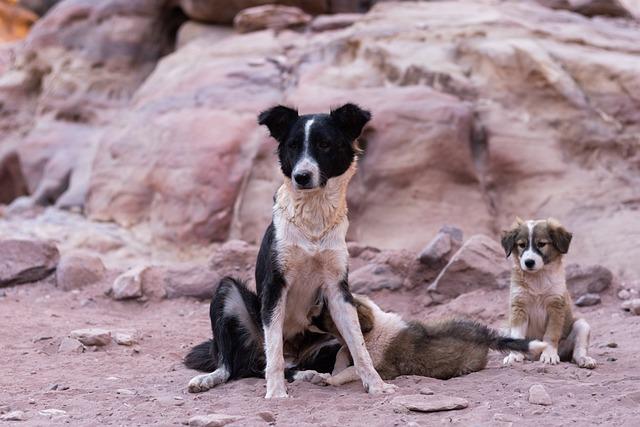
[
  {"x": 443, "y": 349},
  {"x": 540, "y": 306},
  {"x": 302, "y": 262}
]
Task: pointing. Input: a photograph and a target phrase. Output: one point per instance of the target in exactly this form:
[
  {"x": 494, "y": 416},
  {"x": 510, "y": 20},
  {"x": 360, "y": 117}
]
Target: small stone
[
  {"x": 267, "y": 416},
  {"x": 53, "y": 387},
  {"x": 587, "y": 300},
  {"x": 212, "y": 420},
  {"x": 13, "y": 416},
  {"x": 128, "y": 285},
  {"x": 612, "y": 345},
  {"x": 70, "y": 345},
  {"x": 426, "y": 391},
  {"x": 52, "y": 412},
  {"x": 423, "y": 403},
  {"x": 611, "y": 359},
  {"x": 632, "y": 305},
  {"x": 125, "y": 392},
  {"x": 624, "y": 294},
  {"x": 539, "y": 396},
  {"x": 122, "y": 338},
  {"x": 92, "y": 336}
]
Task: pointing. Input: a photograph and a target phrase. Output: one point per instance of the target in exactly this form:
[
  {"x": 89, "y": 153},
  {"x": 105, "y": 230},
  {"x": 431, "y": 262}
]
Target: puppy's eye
[
  {"x": 522, "y": 245},
  {"x": 324, "y": 145},
  {"x": 542, "y": 244}
]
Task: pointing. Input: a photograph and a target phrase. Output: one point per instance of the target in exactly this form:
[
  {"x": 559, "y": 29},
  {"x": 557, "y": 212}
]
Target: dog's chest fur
[{"x": 310, "y": 231}]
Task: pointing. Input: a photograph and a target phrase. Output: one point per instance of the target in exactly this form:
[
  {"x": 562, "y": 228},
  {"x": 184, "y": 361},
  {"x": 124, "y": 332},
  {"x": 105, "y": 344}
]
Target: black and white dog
[{"x": 302, "y": 262}]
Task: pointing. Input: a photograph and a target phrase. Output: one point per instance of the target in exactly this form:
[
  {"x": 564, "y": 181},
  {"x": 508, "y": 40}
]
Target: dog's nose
[
  {"x": 302, "y": 178},
  {"x": 529, "y": 263}
]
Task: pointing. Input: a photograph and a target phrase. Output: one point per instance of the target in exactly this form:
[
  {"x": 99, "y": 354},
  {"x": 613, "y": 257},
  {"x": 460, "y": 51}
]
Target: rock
[
  {"x": 52, "y": 412},
  {"x": 92, "y": 336},
  {"x": 478, "y": 264},
  {"x": 235, "y": 258},
  {"x": 438, "y": 252},
  {"x": 624, "y": 294},
  {"x": 614, "y": 8},
  {"x": 592, "y": 279},
  {"x": 426, "y": 391},
  {"x": 125, "y": 392},
  {"x": 70, "y": 345},
  {"x": 539, "y": 396},
  {"x": 426, "y": 403},
  {"x": 12, "y": 182},
  {"x": 212, "y": 420},
  {"x": 269, "y": 16},
  {"x": 77, "y": 270},
  {"x": 122, "y": 338},
  {"x": 128, "y": 285},
  {"x": 587, "y": 300},
  {"x": 25, "y": 261},
  {"x": 334, "y": 22},
  {"x": 612, "y": 345},
  {"x": 374, "y": 277},
  {"x": 267, "y": 416},
  {"x": 13, "y": 416},
  {"x": 185, "y": 280},
  {"x": 632, "y": 305}
]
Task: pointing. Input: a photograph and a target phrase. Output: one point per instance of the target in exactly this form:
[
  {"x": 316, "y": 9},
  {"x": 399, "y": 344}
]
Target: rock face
[
  {"x": 77, "y": 270},
  {"x": 591, "y": 279},
  {"x": 479, "y": 263},
  {"x": 518, "y": 109},
  {"x": 25, "y": 261}
]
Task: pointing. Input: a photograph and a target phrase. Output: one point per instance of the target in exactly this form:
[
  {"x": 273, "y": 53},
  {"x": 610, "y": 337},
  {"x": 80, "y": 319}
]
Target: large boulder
[
  {"x": 25, "y": 261},
  {"x": 480, "y": 263}
]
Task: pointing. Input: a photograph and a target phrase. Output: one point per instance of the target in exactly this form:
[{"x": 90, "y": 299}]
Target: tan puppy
[
  {"x": 540, "y": 305},
  {"x": 441, "y": 349}
]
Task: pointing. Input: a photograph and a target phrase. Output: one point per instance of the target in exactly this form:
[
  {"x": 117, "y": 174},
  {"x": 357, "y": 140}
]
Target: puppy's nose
[
  {"x": 302, "y": 178},
  {"x": 529, "y": 263}
]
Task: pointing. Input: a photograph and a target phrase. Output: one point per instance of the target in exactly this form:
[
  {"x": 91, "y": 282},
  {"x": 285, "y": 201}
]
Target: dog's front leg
[
  {"x": 273, "y": 310},
  {"x": 345, "y": 317},
  {"x": 556, "y": 310},
  {"x": 519, "y": 323}
]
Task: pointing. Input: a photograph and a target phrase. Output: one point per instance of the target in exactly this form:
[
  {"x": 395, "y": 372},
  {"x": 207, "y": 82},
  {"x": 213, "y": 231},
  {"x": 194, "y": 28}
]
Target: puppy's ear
[
  {"x": 279, "y": 120},
  {"x": 560, "y": 237},
  {"x": 508, "y": 240},
  {"x": 350, "y": 120},
  {"x": 365, "y": 316}
]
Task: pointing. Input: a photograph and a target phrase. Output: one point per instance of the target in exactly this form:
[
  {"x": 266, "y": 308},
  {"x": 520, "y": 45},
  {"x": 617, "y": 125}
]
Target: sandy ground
[{"x": 36, "y": 317}]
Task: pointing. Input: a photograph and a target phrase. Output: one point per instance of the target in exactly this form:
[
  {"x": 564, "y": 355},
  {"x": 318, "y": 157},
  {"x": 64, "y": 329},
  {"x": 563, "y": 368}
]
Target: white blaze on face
[
  {"x": 306, "y": 163},
  {"x": 530, "y": 259}
]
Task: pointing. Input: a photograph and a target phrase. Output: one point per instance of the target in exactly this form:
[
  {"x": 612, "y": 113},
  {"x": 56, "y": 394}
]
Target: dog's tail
[
  {"x": 202, "y": 357},
  {"x": 477, "y": 333}
]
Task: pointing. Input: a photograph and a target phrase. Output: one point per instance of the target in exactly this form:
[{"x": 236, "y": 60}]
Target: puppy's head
[
  {"x": 316, "y": 147},
  {"x": 536, "y": 243}
]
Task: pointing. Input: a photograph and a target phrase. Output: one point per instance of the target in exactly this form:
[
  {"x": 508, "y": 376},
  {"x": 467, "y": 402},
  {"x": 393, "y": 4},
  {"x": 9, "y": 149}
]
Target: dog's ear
[
  {"x": 560, "y": 237},
  {"x": 508, "y": 240},
  {"x": 350, "y": 119},
  {"x": 279, "y": 120},
  {"x": 365, "y": 316}
]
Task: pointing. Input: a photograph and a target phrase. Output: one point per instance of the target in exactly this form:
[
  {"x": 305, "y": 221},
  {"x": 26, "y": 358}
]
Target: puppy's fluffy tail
[
  {"x": 201, "y": 357},
  {"x": 477, "y": 333}
]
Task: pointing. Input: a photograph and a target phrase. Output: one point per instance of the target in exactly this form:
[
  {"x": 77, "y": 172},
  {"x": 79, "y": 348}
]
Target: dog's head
[
  {"x": 316, "y": 147},
  {"x": 536, "y": 243}
]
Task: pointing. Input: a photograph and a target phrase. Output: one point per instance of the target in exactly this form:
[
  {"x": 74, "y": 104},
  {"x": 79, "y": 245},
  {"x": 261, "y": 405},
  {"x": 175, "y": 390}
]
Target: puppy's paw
[
  {"x": 277, "y": 392},
  {"x": 380, "y": 388},
  {"x": 201, "y": 383},
  {"x": 550, "y": 356},
  {"x": 312, "y": 377},
  {"x": 586, "y": 362},
  {"x": 512, "y": 358}
]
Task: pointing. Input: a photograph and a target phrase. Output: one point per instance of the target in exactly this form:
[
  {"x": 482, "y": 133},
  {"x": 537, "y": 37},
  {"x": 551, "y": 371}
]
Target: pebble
[
  {"x": 612, "y": 345},
  {"x": 212, "y": 420},
  {"x": 587, "y": 300},
  {"x": 426, "y": 391},
  {"x": 13, "y": 416},
  {"x": 125, "y": 391},
  {"x": 128, "y": 285},
  {"x": 539, "y": 396},
  {"x": 52, "y": 412},
  {"x": 70, "y": 345},
  {"x": 611, "y": 359},
  {"x": 424, "y": 403},
  {"x": 267, "y": 416},
  {"x": 624, "y": 294},
  {"x": 92, "y": 336},
  {"x": 122, "y": 338},
  {"x": 632, "y": 305}
]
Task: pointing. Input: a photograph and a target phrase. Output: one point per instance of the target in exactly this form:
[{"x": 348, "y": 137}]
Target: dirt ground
[{"x": 146, "y": 384}]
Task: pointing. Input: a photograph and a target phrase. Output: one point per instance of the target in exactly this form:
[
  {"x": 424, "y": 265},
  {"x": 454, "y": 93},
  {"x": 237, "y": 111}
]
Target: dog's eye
[
  {"x": 324, "y": 145},
  {"x": 542, "y": 244},
  {"x": 522, "y": 245}
]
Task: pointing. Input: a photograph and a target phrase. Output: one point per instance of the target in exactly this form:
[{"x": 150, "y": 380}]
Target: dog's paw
[
  {"x": 586, "y": 362},
  {"x": 550, "y": 356},
  {"x": 312, "y": 377},
  {"x": 279, "y": 391},
  {"x": 512, "y": 358},
  {"x": 380, "y": 388},
  {"x": 201, "y": 383}
]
